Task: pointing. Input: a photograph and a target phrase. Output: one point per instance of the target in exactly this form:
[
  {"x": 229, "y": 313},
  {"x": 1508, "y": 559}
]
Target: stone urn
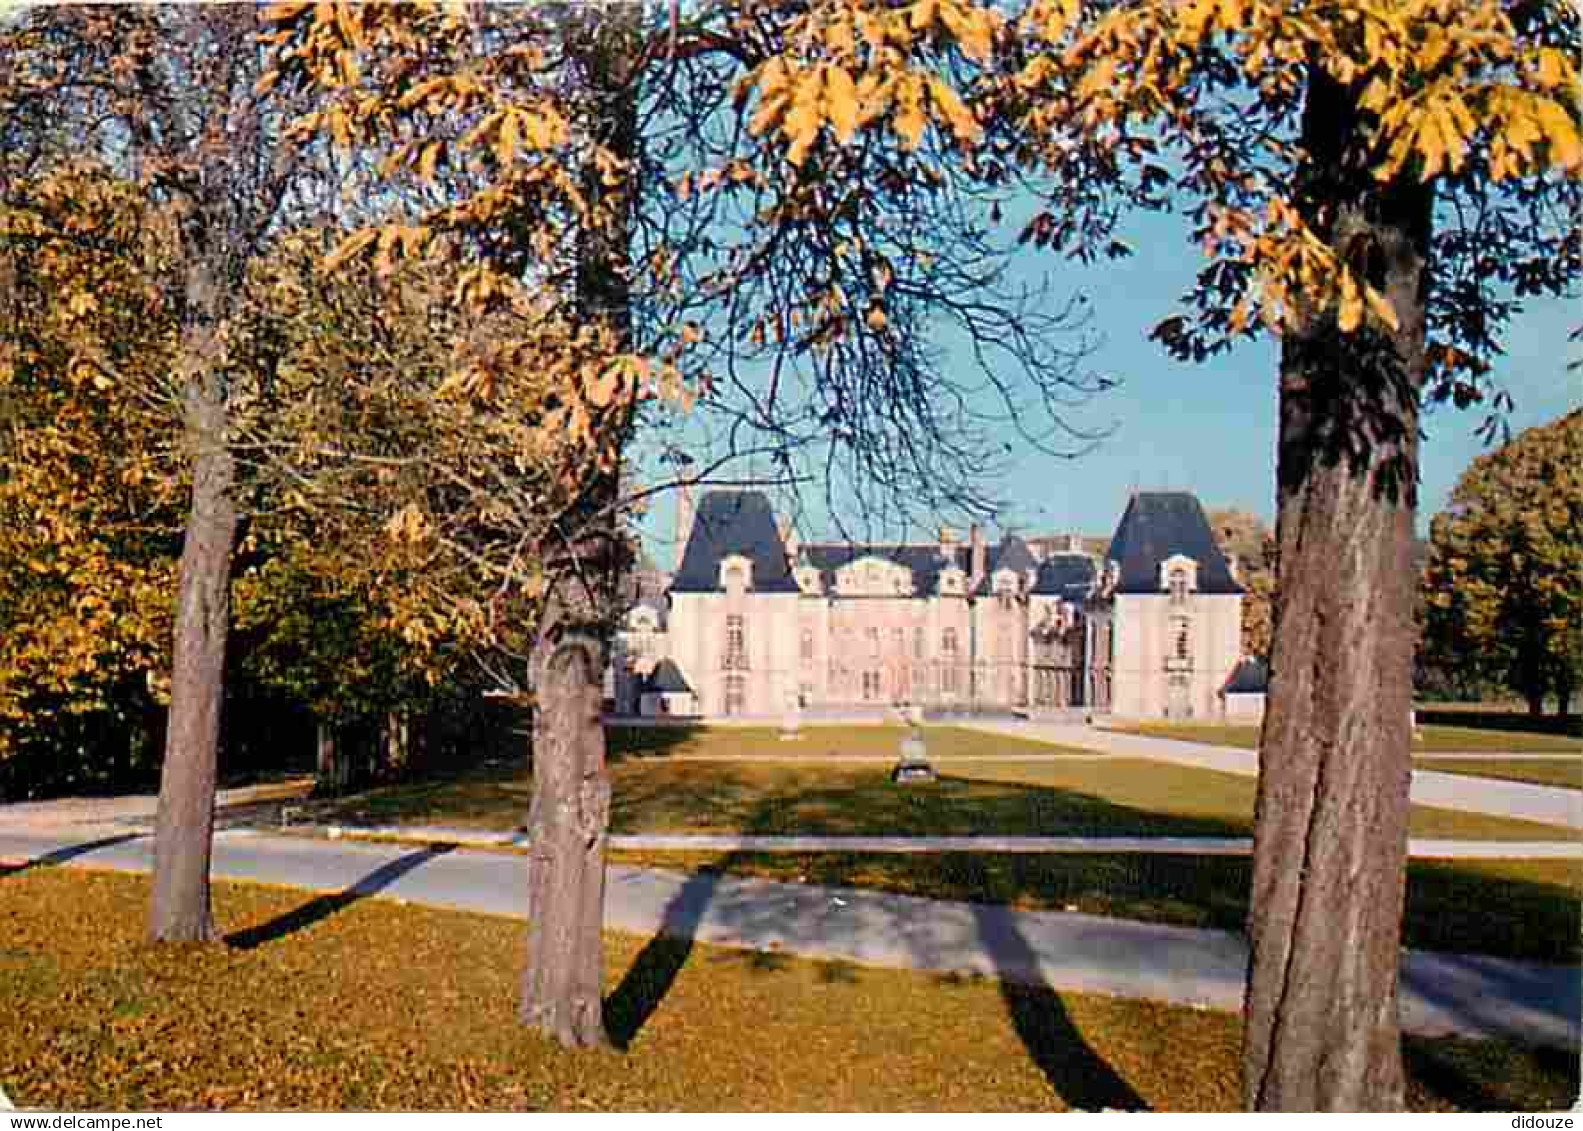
[
  {"x": 791, "y": 721},
  {"x": 912, "y": 763}
]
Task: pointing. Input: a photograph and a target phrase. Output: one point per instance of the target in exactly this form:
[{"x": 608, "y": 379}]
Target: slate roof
[
  {"x": 1157, "y": 525},
  {"x": 1012, "y": 554},
  {"x": 1069, "y": 576},
  {"x": 734, "y": 522},
  {"x": 1247, "y": 678},
  {"x": 667, "y": 679},
  {"x": 925, "y": 562}
]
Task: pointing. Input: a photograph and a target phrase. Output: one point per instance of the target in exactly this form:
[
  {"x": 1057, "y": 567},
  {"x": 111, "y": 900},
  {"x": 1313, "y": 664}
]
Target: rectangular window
[
  {"x": 948, "y": 643},
  {"x": 917, "y": 643},
  {"x": 871, "y": 686},
  {"x": 873, "y": 642},
  {"x": 736, "y": 694},
  {"x": 736, "y": 653},
  {"x": 807, "y": 645}
]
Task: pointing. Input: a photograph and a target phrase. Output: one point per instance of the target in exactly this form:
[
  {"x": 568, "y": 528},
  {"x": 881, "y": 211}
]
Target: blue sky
[{"x": 1211, "y": 427}]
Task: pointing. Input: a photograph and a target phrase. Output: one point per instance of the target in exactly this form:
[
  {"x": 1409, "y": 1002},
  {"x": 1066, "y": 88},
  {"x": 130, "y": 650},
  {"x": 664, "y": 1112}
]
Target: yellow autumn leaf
[
  {"x": 1380, "y": 307},
  {"x": 803, "y": 120},
  {"x": 1349, "y": 314},
  {"x": 841, "y": 103},
  {"x": 429, "y": 159},
  {"x": 910, "y": 120},
  {"x": 768, "y": 115},
  {"x": 971, "y": 27},
  {"x": 506, "y": 139},
  {"x": 1561, "y": 132},
  {"x": 961, "y": 119},
  {"x": 349, "y": 247},
  {"x": 600, "y": 389},
  {"x": 838, "y": 37}
]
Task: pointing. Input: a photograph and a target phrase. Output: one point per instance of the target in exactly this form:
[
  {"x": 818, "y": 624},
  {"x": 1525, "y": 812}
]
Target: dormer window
[
  {"x": 951, "y": 581},
  {"x": 736, "y": 574},
  {"x": 1179, "y": 577},
  {"x": 808, "y": 580}
]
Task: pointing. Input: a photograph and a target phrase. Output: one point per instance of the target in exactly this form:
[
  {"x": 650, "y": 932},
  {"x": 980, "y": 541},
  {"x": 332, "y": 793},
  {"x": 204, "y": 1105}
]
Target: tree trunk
[
  {"x": 1330, "y": 836},
  {"x": 179, "y": 910},
  {"x": 397, "y": 744},
  {"x": 568, "y": 824},
  {"x": 569, "y": 818},
  {"x": 330, "y": 765},
  {"x": 1564, "y": 687}
]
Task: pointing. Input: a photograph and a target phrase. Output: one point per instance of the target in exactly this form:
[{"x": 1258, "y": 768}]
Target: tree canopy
[{"x": 1504, "y": 579}]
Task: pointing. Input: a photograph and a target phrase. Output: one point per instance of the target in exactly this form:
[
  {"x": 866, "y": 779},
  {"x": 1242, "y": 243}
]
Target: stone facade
[{"x": 755, "y": 623}]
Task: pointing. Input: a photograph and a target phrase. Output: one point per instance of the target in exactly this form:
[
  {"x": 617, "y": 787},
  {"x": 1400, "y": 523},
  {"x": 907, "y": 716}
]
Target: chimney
[
  {"x": 1074, "y": 544},
  {"x": 684, "y": 521},
  {"x": 788, "y": 533},
  {"x": 979, "y": 559}
]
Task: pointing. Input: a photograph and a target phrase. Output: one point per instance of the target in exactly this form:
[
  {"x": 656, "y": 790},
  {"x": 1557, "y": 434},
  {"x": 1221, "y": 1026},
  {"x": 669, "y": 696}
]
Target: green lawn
[
  {"x": 1567, "y": 774},
  {"x": 1510, "y": 908},
  {"x": 373, "y": 1006},
  {"x": 1058, "y": 797},
  {"x": 1430, "y": 739}
]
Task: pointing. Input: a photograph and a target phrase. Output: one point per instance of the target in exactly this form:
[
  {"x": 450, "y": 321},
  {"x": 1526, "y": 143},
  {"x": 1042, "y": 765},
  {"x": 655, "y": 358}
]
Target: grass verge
[
  {"x": 379, "y": 1006},
  {"x": 1567, "y": 774}
]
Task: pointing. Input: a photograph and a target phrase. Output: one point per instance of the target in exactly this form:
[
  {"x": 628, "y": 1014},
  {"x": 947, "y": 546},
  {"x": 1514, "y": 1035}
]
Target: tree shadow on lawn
[
  {"x": 652, "y": 973},
  {"x": 322, "y": 907},
  {"x": 67, "y": 852},
  {"x": 625, "y": 742},
  {"x": 496, "y": 793},
  {"x": 1074, "y": 1069},
  {"x": 781, "y": 799},
  {"x": 1469, "y": 1075},
  {"x": 1077, "y": 1073}
]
